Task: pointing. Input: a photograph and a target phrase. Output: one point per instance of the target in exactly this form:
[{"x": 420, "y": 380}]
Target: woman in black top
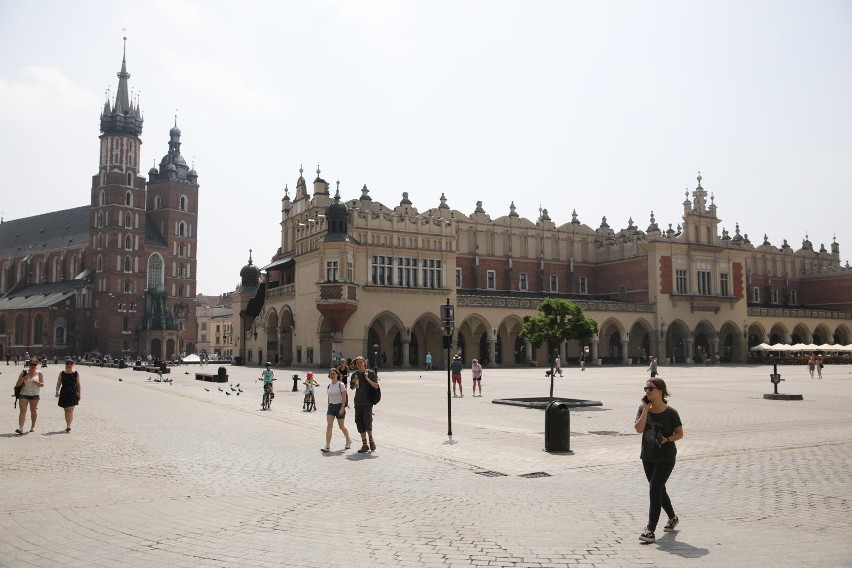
[
  {"x": 68, "y": 391},
  {"x": 660, "y": 427}
]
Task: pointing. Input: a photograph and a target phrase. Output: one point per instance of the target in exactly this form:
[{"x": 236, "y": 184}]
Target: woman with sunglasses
[
  {"x": 68, "y": 391},
  {"x": 30, "y": 382},
  {"x": 660, "y": 427}
]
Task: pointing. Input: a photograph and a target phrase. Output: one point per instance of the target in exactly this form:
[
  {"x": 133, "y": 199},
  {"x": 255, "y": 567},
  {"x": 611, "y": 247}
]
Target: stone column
[
  {"x": 690, "y": 343},
  {"x": 715, "y": 344},
  {"x": 528, "y": 349},
  {"x": 594, "y": 360},
  {"x": 624, "y": 353},
  {"x": 405, "y": 346},
  {"x": 492, "y": 352}
]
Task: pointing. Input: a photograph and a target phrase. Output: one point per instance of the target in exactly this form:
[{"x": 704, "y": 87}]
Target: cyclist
[
  {"x": 268, "y": 376},
  {"x": 309, "y": 402}
]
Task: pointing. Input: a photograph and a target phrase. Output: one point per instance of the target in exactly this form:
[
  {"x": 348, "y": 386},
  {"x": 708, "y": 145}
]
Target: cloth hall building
[
  {"x": 117, "y": 275},
  {"x": 351, "y": 275}
]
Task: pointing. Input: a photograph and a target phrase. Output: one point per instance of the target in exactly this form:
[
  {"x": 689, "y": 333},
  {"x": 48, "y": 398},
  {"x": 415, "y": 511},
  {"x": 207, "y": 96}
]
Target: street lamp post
[
  {"x": 376, "y": 358},
  {"x": 448, "y": 323}
]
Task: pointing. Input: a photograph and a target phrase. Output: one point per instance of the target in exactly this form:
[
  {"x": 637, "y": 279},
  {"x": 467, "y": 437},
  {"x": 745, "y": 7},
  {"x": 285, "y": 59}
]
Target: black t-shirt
[
  {"x": 657, "y": 427},
  {"x": 362, "y": 395}
]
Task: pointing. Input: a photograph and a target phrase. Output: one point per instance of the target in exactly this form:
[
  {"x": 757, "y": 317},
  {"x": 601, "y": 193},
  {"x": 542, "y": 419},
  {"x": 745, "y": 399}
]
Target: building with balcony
[{"x": 361, "y": 277}]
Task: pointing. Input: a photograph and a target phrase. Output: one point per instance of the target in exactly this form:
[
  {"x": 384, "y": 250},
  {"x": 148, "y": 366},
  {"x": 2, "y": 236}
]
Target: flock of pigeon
[{"x": 234, "y": 388}]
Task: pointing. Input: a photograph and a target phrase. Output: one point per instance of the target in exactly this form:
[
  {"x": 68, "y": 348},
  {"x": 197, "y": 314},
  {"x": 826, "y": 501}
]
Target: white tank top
[{"x": 335, "y": 392}]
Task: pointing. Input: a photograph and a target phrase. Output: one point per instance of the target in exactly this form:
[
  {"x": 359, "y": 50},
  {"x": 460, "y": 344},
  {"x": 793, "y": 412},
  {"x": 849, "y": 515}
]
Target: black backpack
[{"x": 375, "y": 394}]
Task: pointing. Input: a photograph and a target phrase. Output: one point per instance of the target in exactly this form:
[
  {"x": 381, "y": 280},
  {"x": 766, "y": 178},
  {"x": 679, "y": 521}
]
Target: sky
[{"x": 606, "y": 108}]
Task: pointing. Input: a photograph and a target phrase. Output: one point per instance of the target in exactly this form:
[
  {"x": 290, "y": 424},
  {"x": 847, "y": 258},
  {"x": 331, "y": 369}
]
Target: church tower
[
  {"x": 117, "y": 223},
  {"x": 170, "y": 296}
]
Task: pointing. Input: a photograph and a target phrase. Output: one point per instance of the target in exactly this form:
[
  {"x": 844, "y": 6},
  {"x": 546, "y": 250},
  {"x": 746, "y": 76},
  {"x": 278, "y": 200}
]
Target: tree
[{"x": 557, "y": 320}]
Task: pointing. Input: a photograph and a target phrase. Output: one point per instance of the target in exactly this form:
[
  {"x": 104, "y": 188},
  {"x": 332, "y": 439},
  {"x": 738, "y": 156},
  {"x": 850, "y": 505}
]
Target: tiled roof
[{"x": 56, "y": 230}]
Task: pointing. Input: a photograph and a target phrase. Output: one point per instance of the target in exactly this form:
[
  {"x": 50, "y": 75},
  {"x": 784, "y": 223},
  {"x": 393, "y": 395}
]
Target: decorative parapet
[
  {"x": 797, "y": 313},
  {"x": 335, "y": 293}
]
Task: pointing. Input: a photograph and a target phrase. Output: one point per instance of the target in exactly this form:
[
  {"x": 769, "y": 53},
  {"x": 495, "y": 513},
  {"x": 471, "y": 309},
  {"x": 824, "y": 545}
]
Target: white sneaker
[
  {"x": 325, "y": 449},
  {"x": 348, "y": 445}
]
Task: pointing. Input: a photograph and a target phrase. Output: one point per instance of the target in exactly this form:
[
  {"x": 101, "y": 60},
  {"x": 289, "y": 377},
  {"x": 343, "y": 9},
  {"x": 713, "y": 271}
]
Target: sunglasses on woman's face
[{"x": 649, "y": 389}]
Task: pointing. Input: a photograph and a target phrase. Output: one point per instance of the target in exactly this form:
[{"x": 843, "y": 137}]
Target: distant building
[
  {"x": 115, "y": 276},
  {"x": 215, "y": 325},
  {"x": 364, "y": 278}
]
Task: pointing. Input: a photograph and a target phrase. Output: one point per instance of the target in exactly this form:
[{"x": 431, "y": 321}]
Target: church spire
[{"x": 123, "y": 119}]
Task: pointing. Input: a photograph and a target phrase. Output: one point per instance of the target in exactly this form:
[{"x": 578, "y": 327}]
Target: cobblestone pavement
[{"x": 181, "y": 474}]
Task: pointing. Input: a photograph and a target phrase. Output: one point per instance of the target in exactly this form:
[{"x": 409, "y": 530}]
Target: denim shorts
[
  {"x": 29, "y": 396},
  {"x": 334, "y": 410}
]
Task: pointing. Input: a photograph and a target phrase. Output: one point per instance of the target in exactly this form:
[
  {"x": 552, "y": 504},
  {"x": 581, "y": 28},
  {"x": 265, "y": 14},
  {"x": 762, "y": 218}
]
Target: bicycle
[
  {"x": 310, "y": 403},
  {"x": 266, "y": 402}
]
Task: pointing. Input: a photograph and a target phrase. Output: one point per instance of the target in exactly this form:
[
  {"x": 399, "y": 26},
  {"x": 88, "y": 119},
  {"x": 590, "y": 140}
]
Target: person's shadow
[{"x": 668, "y": 544}]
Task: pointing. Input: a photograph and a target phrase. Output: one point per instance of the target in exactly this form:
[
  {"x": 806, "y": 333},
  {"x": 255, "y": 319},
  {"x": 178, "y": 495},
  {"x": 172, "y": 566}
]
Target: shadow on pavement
[{"x": 668, "y": 544}]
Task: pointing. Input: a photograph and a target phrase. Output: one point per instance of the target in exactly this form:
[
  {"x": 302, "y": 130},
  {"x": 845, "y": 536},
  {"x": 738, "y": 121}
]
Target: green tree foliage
[{"x": 557, "y": 320}]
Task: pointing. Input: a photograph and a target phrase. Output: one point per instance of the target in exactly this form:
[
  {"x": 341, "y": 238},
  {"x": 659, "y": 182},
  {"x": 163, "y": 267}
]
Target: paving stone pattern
[{"x": 158, "y": 474}]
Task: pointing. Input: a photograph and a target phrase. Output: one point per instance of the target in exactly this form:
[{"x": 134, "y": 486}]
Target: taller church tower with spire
[{"x": 143, "y": 237}]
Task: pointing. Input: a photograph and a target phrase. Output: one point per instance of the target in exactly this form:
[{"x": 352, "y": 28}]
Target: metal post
[
  {"x": 775, "y": 372},
  {"x": 447, "y": 321}
]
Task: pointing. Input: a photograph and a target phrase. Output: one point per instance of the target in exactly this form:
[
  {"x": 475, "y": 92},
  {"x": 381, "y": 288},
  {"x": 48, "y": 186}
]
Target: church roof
[
  {"x": 38, "y": 296},
  {"x": 49, "y": 231}
]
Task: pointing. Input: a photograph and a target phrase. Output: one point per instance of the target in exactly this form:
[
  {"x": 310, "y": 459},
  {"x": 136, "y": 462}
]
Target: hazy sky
[{"x": 609, "y": 108}]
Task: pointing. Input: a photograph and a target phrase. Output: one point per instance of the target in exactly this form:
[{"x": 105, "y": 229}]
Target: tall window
[
  {"x": 382, "y": 269},
  {"x": 128, "y": 197},
  {"x": 406, "y": 272},
  {"x": 680, "y": 281},
  {"x": 523, "y": 282},
  {"x": 128, "y": 242},
  {"x": 182, "y": 203},
  {"x": 724, "y": 286},
  {"x": 331, "y": 271},
  {"x": 458, "y": 277},
  {"x": 158, "y": 202},
  {"x": 38, "y": 329},
  {"x": 128, "y": 220},
  {"x": 755, "y": 294},
  {"x": 491, "y": 280},
  {"x": 181, "y": 229},
  {"x": 128, "y": 266},
  {"x": 584, "y": 285},
  {"x": 554, "y": 283},
  {"x": 793, "y": 297},
  {"x": 155, "y": 271},
  {"x": 705, "y": 283},
  {"x": 432, "y": 277},
  {"x": 773, "y": 295},
  {"x": 350, "y": 272}
]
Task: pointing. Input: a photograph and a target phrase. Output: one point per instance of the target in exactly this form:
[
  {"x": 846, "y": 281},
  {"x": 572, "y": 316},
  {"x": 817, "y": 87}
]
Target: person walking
[
  {"x": 428, "y": 365},
  {"x": 660, "y": 427},
  {"x": 455, "y": 371},
  {"x": 68, "y": 391},
  {"x": 819, "y": 366},
  {"x": 31, "y": 380},
  {"x": 343, "y": 371},
  {"x": 557, "y": 365},
  {"x": 338, "y": 402},
  {"x": 811, "y": 365},
  {"x": 653, "y": 366},
  {"x": 363, "y": 379},
  {"x": 583, "y": 360},
  {"x": 476, "y": 371}
]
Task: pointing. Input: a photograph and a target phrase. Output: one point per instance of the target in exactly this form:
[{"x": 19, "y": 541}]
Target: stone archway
[
  {"x": 639, "y": 344},
  {"x": 677, "y": 342},
  {"x": 156, "y": 348}
]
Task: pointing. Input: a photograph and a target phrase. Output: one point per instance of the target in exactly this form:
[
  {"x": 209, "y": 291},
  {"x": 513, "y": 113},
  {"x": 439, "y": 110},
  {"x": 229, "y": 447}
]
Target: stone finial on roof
[
  {"x": 365, "y": 194},
  {"x": 443, "y": 204},
  {"x": 479, "y": 208},
  {"x": 512, "y": 212},
  {"x": 574, "y": 219}
]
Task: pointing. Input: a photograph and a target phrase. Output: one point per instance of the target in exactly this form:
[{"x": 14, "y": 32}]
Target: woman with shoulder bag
[
  {"x": 660, "y": 427},
  {"x": 68, "y": 391},
  {"x": 30, "y": 382}
]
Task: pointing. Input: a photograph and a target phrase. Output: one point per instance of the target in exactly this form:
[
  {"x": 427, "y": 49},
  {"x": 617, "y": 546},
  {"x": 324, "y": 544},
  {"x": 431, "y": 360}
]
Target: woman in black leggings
[{"x": 660, "y": 427}]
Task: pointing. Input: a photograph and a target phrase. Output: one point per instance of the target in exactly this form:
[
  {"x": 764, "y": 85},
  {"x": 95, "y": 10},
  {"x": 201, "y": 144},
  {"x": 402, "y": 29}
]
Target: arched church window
[
  {"x": 155, "y": 271},
  {"x": 128, "y": 266}
]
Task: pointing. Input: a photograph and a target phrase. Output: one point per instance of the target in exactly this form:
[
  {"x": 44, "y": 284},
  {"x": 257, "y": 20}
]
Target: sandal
[{"x": 18, "y": 431}]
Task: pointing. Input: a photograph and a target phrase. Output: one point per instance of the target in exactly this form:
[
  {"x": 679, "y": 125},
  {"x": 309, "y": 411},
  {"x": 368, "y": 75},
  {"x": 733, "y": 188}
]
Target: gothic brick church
[{"x": 117, "y": 275}]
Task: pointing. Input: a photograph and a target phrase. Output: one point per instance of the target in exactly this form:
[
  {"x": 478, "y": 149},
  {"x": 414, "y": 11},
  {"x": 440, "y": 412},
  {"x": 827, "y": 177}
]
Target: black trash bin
[
  {"x": 557, "y": 427},
  {"x": 238, "y": 361},
  {"x": 223, "y": 375}
]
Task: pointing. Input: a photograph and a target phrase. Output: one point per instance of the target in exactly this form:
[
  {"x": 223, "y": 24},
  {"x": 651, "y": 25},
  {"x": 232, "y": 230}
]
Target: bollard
[{"x": 296, "y": 383}]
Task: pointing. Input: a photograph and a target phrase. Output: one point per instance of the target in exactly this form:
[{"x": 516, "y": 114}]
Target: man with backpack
[{"x": 367, "y": 393}]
